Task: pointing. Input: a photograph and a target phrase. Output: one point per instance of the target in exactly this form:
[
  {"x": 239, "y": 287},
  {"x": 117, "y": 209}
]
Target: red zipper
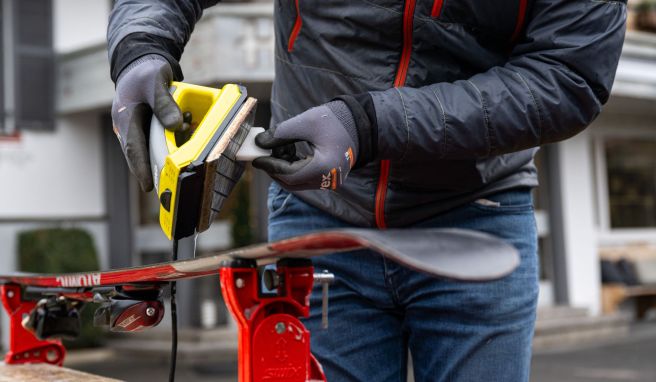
[
  {"x": 408, "y": 15},
  {"x": 519, "y": 24},
  {"x": 399, "y": 80},
  {"x": 437, "y": 8},
  {"x": 381, "y": 192},
  {"x": 297, "y": 28}
]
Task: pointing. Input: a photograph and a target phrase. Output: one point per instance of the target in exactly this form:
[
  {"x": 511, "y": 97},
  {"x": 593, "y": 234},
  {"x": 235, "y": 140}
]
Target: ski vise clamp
[
  {"x": 273, "y": 342},
  {"x": 24, "y": 346}
]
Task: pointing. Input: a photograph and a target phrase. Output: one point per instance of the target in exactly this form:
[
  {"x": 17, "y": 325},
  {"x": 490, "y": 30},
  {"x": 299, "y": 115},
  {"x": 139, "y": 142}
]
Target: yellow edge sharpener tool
[{"x": 179, "y": 167}]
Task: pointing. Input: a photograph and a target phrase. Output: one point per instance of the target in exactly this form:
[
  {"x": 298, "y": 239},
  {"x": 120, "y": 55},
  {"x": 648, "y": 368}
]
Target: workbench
[{"x": 46, "y": 372}]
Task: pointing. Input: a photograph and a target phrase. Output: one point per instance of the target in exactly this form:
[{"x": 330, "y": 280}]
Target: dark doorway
[{"x": 117, "y": 195}]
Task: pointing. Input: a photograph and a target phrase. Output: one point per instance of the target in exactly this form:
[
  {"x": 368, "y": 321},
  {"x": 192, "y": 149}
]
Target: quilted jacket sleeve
[
  {"x": 552, "y": 87},
  {"x": 140, "y": 27}
]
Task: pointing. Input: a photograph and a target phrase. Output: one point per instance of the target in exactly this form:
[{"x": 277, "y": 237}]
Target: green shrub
[{"x": 59, "y": 250}]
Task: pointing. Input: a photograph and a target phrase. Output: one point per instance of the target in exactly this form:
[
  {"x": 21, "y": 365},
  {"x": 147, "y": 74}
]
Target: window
[
  {"x": 33, "y": 64},
  {"x": 631, "y": 180}
]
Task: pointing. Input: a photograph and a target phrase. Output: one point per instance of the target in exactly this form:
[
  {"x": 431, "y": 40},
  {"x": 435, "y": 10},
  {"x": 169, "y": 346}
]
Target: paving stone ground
[{"x": 629, "y": 359}]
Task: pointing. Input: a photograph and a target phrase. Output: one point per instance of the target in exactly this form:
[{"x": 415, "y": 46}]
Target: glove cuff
[
  {"x": 139, "y": 61},
  {"x": 345, "y": 117},
  {"x": 364, "y": 128},
  {"x": 139, "y": 44}
]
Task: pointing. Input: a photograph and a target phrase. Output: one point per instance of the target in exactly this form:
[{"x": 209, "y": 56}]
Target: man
[{"x": 415, "y": 113}]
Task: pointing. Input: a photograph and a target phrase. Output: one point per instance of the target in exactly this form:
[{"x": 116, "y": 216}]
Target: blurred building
[{"x": 60, "y": 164}]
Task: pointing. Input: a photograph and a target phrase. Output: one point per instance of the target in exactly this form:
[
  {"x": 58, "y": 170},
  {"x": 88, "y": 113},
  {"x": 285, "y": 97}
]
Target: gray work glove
[
  {"x": 142, "y": 89},
  {"x": 331, "y": 133}
]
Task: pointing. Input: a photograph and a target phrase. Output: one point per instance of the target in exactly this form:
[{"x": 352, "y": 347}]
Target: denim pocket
[
  {"x": 513, "y": 201},
  {"x": 277, "y": 199}
]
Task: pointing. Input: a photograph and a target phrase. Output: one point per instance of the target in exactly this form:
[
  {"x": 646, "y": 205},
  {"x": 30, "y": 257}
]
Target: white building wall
[
  {"x": 52, "y": 175},
  {"x": 79, "y": 23}
]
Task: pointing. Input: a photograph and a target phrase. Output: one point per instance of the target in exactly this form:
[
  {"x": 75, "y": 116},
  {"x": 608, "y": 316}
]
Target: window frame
[{"x": 608, "y": 234}]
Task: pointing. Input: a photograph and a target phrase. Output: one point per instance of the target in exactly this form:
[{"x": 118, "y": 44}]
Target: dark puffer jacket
[{"x": 459, "y": 93}]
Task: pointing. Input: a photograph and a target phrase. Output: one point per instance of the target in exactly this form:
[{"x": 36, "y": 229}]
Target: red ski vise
[
  {"x": 24, "y": 346},
  {"x": 273, "y": 342}
]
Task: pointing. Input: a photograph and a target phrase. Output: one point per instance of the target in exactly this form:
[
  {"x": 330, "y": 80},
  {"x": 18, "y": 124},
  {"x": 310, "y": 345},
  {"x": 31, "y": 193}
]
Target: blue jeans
[{"x": 455, "y": 331}]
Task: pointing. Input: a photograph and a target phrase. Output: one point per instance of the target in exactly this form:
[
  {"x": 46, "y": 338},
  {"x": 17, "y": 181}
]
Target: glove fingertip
[
  {"x": 262, "y": 163},
  {"x": 272, "y": 165},
  {"x": 265, "y": 139},
  {"x": 170, "y": 116},
  {"x": 146, "y": 185},
  {"x": 167, "y": 110}
]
